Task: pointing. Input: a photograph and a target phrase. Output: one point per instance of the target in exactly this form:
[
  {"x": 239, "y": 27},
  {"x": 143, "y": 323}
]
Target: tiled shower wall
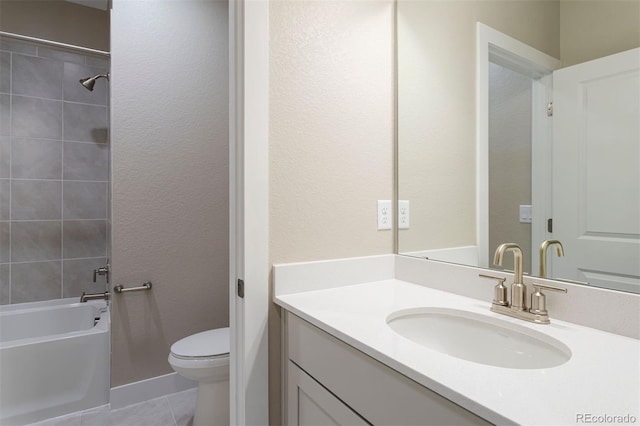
[{"x": 54, "y": 173}]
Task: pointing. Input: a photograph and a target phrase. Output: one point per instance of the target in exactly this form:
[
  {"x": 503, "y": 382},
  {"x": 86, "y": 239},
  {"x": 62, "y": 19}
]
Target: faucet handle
[
  {"x": 538, "y": 299},
  {"x": 101, "y": 271},
  {"x": 499, "y": 291}
]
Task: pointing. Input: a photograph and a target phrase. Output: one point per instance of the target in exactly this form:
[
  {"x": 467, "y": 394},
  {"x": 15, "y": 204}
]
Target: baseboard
[{"x": 144, "y": 390}]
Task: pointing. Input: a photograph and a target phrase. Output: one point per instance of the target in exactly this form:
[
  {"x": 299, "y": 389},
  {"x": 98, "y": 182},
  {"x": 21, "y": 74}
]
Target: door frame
[
  {"x": 249, "y": 211},
  {"x": 495, "y": 47}
]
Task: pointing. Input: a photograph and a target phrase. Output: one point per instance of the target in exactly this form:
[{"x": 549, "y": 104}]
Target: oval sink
[{"x": 479, "y": 338}]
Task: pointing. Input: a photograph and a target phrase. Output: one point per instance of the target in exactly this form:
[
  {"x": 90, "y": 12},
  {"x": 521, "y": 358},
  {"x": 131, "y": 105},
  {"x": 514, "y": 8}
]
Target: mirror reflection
[{"x": 517, "y": 122}]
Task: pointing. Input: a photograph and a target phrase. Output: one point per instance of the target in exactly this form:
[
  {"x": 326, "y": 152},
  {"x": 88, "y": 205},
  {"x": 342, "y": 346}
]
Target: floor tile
[
  {"x": 155, "y": 412},
  {"x": 100, "y": 416},
  {"x": 183, "y": 406},
  {"x": 68, "y": 420}
]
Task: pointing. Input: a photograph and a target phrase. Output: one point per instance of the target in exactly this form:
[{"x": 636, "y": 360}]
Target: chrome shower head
[{"x": 89, "y": 82}]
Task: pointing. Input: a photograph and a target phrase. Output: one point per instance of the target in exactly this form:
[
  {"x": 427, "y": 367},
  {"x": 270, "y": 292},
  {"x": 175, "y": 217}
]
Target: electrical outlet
[
  {"x": 403, "y": 214},
  {"x": 384, "y": 214}
]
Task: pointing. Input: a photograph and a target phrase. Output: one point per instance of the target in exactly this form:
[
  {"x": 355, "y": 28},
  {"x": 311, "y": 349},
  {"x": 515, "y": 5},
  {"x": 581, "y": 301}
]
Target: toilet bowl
[{"x": 204, "y": 357}]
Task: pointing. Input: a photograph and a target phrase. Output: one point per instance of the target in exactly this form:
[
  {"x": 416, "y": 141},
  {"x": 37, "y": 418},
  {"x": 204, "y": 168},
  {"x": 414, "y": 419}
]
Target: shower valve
[{"x": 101, "y": 271}]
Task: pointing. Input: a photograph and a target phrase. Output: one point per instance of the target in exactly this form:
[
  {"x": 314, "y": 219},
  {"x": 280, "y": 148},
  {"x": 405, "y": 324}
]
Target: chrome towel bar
[{"x": 143, "y": 287}]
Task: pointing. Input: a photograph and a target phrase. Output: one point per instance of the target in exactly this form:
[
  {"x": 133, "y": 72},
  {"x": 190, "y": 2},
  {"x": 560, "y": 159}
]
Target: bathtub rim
[{"x": 102, "y": 312}]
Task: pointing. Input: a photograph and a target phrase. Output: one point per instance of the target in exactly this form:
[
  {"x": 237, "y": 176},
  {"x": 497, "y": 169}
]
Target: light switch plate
[{"x": 526, "y": 213}]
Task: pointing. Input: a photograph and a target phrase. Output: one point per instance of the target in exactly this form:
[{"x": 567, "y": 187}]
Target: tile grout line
[
  {"x": 61, "y": 190},
  {"x": 10, "y": 173},
  {"x": 61, "y": 100}
]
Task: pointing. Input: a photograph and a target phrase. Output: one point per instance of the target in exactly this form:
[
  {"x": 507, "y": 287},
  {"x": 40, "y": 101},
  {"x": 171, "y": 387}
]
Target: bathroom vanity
[
  {"x": 328, "y": 379},
  {"x": 345, "y": 361}
]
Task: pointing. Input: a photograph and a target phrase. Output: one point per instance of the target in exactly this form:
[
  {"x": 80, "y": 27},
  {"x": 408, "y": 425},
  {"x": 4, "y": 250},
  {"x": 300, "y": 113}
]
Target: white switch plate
[
  {"x": 384, "y": 214},
  {"x": 526, "y": 213},
  {"x": 403, "y": 214}
]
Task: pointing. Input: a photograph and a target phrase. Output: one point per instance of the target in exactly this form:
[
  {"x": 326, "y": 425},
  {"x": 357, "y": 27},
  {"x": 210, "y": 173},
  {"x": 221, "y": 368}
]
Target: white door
[{"x": 596, "y": 171}]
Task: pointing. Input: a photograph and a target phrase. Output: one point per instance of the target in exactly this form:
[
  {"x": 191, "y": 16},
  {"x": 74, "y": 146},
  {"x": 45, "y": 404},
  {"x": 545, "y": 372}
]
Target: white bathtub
[{"x": 54, "y": 359}]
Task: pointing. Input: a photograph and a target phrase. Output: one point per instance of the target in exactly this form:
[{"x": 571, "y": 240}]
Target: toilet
[{"x": 204, "y": 357}]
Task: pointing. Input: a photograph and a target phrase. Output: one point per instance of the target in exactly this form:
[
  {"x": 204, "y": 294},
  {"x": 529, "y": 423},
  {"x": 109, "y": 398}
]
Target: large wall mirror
[{"x": 518, "y": 122}]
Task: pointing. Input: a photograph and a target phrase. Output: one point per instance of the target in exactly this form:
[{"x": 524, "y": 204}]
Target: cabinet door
[{"x": 310, "y": 404}]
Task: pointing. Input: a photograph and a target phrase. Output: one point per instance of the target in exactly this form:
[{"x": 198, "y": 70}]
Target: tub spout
[{"x": 94, "y": 296}]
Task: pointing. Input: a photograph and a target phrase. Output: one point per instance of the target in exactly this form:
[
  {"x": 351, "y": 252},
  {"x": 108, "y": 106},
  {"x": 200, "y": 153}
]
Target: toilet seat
[{"x": 210, "y": 344}]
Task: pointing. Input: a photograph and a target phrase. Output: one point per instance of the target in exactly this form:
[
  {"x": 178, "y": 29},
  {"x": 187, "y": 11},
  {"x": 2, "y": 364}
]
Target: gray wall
[
  {"x": 54, "y": 171},
  {"x": 510, "y": 112},
  {"x": 170, "y": 182}
]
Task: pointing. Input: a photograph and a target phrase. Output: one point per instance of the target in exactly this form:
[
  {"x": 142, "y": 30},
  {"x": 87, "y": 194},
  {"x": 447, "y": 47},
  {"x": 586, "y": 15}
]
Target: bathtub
[{"x": 54, "y": 359}]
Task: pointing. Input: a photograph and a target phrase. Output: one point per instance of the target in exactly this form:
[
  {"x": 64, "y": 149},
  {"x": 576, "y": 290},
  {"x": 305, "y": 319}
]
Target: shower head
[{"x": 89, "y": 82}]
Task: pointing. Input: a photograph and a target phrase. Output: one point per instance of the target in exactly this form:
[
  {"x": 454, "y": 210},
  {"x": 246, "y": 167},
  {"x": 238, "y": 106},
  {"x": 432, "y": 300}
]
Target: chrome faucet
[
  {"x": 94, "y": 296},
  {"x": 543, "y": 255},
  {"x": 518, "y": 308}
]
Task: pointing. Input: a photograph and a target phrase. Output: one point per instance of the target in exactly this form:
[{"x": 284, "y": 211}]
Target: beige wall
[
  {"x": 169, "y": 177},
  {"x": 593, "y": 29},
  {"x": 437, "y": 45},
  {"x": 56, "y": 21},
  {"x": 331, "y": 136}
]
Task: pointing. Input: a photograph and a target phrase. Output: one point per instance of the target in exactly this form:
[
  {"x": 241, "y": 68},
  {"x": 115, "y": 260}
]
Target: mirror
[{"x": 467, "y": 194}]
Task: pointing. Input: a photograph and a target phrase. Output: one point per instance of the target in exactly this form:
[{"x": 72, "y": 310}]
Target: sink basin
[{"x": 479, "y": 338}]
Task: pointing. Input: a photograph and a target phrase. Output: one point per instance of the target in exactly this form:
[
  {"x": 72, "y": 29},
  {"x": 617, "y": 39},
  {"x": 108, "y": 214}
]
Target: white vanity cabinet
[{"x": 329, "y": 382}]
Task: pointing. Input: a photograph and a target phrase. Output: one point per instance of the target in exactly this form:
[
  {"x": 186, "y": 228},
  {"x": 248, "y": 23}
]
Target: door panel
[{"x": 596, "y": 171}]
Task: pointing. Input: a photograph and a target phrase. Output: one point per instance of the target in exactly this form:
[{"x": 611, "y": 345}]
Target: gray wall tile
[
  {"x": 85, "y": 161},
  {"x": 85, "y": 123},
  {"x": 78, "y": 277},
  {"x": 85, "y": 200},
  {"x": 75, "y": 92},
  {"x": 35, "y": 241},
  {"x": 5, "y": 72},
  {"x": 36, "y": 159},
  {"x": 5, "y": 199},
  {"x": 97, "y": 61},
  {"x": 5, "y": 242},
  {"x": 36, "y": 118},
  {"x": 5, "y": 114},
  {"x": 36, "y": 200},
  {"x": 34, "y": 281},
  {"x": 37, "y": 77},
  {"x": 84, "y": 238},
  {"x": 18, "y": 47},
  {"x": 60, "y": 55},
  {"x": 5, "y": 284},
  {"x": 5, "y": 156}
]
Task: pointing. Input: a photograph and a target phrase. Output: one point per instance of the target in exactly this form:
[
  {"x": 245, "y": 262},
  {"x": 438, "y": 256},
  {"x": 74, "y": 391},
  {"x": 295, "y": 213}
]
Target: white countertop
[{"x": 601, "y": 378}]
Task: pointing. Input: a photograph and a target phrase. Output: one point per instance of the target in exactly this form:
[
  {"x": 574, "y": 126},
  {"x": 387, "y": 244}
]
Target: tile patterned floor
[{"x": 172, "y": 410}]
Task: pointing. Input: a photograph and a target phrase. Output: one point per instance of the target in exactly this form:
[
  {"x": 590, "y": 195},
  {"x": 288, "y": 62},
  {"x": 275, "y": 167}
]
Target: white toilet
[{"x": 205, "y": 357}]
